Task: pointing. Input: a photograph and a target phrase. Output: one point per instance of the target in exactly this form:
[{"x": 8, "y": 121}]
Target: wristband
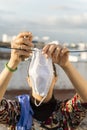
[{"x": 10, "y": 69}]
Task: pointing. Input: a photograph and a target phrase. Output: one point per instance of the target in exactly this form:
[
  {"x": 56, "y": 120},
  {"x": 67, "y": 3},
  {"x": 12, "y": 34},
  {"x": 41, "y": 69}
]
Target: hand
[
  {"x": 23, "y": 43},
  {"x": 58, "y": 53}
]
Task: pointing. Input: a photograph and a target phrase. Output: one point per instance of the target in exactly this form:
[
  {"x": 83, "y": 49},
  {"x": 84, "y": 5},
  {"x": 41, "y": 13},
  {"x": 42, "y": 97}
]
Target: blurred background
[{"x": 63, "y": 21}]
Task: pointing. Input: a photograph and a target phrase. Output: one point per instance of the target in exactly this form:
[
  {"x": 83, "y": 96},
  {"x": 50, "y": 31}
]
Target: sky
[{"x": 62, "y": 20}]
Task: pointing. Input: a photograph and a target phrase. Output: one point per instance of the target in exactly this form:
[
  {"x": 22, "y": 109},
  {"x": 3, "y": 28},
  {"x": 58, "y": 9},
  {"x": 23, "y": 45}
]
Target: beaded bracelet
[{"x": 10, "y": 69}]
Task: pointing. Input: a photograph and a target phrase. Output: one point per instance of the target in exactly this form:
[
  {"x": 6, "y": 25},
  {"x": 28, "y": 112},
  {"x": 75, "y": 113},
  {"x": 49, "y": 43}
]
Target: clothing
[{"x": 54, "y": 115}]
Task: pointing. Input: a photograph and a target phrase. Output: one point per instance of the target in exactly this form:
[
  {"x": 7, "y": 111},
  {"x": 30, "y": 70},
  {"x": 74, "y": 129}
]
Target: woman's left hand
[{"x": 58, "y": 53}]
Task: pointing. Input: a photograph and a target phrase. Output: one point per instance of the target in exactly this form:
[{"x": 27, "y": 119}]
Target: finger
[
  {"x": 56, "y": 52},
  {"x": 22, "y": 41},
  {"x": 48, "y": 49},
  {"x": 18, "y": 41},
  {"x": 45, "y": 50},
  {"x": 27, "y": 42},
  {"x": 24, "y": 53},
  {"x": 64, "y": 50},
  {"x": 26, "y": 35},
  {"x": 51, "y": 50},
  {"x": 25, "y": 48}
]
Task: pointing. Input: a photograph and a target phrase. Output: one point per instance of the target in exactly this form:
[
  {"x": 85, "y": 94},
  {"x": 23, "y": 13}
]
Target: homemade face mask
[{"x": 41, "y": 74}]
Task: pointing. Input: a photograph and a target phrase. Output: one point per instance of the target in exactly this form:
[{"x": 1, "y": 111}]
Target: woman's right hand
[{"x": 23, "y": 43}]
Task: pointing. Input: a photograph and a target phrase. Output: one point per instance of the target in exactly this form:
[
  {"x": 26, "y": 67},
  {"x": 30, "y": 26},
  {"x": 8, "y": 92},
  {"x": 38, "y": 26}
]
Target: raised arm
[
  {"x": 22, "y": 42},
  {"x": 77, "y": 80},
  {"x": 60, "y": 56}
]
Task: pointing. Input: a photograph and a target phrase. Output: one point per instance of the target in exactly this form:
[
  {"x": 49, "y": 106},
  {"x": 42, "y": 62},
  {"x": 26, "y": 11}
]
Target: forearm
[
  {"x": 22, "y": 50},
  {"x": 77, "y": 80},
  {"x": 5, "y": 77}
]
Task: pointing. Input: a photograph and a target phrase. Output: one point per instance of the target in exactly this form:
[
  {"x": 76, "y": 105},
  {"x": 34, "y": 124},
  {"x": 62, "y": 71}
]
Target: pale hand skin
[
  {"x": 16, "y": 57},
  {"x": 60, "y": 56}
]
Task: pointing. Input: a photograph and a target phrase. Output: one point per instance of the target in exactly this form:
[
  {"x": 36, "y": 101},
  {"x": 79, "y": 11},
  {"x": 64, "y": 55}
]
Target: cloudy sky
[{"x": 62, "y": 20}]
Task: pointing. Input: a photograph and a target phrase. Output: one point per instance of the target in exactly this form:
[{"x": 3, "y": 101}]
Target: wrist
[
  {"x": 10, "y": 68},
  {"x": 67, "y": 67},
  {"x": 13, "y": 64}
]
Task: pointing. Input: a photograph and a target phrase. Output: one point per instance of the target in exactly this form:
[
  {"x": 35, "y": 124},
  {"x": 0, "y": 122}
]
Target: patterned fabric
[
  {"x": 9, "y": 112},
  {"x": 67, "y": 115}
]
